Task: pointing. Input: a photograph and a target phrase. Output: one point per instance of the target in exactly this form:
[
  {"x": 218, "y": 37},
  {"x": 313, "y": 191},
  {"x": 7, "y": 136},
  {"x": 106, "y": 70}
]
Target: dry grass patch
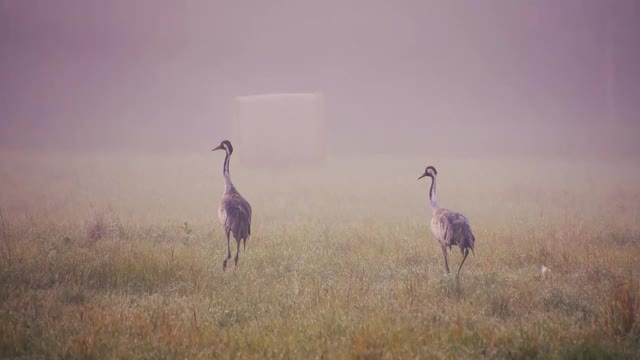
[{"x": 127, "y": 267}]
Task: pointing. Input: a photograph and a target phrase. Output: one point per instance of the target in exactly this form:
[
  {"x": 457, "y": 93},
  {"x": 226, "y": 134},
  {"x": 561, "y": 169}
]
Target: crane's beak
[
  {"x": 218, "y": 148},
  {"x": 421, "y": 176}
]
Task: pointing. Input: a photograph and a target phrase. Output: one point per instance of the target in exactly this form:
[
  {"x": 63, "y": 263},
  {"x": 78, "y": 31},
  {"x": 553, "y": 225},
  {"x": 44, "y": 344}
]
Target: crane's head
[
  {"x": 430, "y": 171},
  {"x": 225, "y": 145}
]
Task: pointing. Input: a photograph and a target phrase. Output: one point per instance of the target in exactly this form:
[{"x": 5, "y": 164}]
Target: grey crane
[
  {"x": 234, "y": 212},
  {"x": 450, "y": 228}
]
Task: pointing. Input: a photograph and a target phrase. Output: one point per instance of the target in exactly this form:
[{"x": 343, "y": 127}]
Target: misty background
[{"x": 554, "y": 78}]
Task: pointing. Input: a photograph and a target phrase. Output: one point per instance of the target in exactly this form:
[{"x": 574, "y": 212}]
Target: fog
[{"x": 405, "y": 77}]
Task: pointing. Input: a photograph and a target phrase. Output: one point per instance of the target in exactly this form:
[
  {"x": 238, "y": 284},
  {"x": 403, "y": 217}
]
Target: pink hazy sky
[{"x": 498, "y": 76}]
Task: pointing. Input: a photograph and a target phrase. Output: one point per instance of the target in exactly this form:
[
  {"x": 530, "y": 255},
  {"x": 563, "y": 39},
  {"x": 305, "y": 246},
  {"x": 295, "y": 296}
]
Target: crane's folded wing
[{"x": 238, "y": 217}]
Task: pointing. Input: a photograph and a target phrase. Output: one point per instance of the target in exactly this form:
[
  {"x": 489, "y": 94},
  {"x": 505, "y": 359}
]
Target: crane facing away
[
  {"x": 234, "y": 212},
  {"x": 449, "y": 227}
]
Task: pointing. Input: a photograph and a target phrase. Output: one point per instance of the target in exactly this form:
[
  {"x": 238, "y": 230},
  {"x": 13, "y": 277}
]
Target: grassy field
[{"x": 120, "y": 256}]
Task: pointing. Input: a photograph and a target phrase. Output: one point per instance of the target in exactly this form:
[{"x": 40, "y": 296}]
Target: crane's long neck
[
  {"x": 432, "y": 194},
  {"x": 228, "y": 185}
]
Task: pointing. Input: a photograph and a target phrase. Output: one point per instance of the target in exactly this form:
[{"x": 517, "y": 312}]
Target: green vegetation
[{"x": 117, "y": 256}]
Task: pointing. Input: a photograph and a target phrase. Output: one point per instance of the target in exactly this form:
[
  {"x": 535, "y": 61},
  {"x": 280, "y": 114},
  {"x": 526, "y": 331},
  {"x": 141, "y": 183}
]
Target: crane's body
[
  {"x": 449, "y": 228},
  {"x": 234, "y": 212}
]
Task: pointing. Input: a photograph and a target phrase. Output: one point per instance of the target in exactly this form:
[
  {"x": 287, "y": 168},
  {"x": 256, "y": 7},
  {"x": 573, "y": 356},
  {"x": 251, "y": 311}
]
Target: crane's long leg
[
  {"x": 224, "y": 263},
  {"x": 446, "y": 258},
  {"x": 466, "y": 253},
  {"x": 237, "y": 251}
]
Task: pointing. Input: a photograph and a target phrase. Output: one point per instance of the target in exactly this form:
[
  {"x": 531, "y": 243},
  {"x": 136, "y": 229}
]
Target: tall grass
[{"x": 121, "y": 256}]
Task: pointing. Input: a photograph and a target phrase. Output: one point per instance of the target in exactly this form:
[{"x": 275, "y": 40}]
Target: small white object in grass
[{"x": 544, "y": 269}]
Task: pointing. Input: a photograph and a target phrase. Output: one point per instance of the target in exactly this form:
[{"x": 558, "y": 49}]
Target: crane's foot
[{"x": 224, "y": 265}]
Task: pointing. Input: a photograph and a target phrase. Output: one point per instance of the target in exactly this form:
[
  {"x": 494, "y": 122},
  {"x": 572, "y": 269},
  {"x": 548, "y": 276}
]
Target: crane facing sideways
[
  {"x": 234, "y": 212},
  {"x": 450, "y": 228}
]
